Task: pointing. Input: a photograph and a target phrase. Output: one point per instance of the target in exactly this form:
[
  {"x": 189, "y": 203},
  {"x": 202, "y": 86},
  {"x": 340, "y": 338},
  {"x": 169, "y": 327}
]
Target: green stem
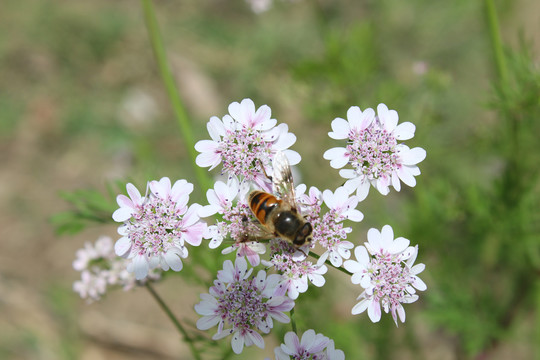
[
  {"x": 174, "y": 320},
  {"x": 496, "y": 42},
  {"x": 293, "y": 322},
  {"x": 311, "y": 253},
  {"x": 172, "y": 91},
  {"x": 537, "y": 330}
]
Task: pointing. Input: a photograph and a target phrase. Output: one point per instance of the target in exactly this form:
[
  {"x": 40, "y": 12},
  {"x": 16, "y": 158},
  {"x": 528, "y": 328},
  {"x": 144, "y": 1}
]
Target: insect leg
[{"x": 264, "y": 170}]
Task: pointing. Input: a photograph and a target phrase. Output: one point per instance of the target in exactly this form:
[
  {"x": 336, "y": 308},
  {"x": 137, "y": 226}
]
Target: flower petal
[
  {"x": 140, "y": 267},
  {"x": 122, "y": 246},
  {"x": 122, "y": 214},
  {"x": 374, "y": 311},
  {"x": 340, "y": 129},
  {"x": 405, "y": 131},
  {"x": 237, "y": 343},
  {"x": 413, "y": 156},
  {"x": 338, "y": 157},
  {"x": 207, "y": 322},
  {"x": 360, "y": 307}
]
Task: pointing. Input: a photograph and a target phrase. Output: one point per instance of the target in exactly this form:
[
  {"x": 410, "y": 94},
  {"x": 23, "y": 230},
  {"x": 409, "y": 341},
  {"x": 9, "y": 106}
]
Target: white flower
[
  {"x": 100, "y": 267},
  {"x": 384, "y": 269},
  {"x": 245, "y": 141},
  {"x": 239, "y": 304},
  {"x": 334, "y": 354},
  {"x": 91, "y": 286},
  {"x": 310, "y": 346},
  {"x": 250, "y": 249},
  {"x": 295, "y": 269},
  {"x": 373, "y": 151},
  {"x": 102, "y": 248},
  {"x": 229, "y": 200},
  {"x": 329, "y": 231}
]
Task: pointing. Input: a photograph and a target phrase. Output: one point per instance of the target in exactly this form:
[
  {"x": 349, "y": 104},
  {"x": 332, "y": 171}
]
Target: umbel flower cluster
[
  {"x": 252, "y": 153},
  {"x": 100, "y": 267}
]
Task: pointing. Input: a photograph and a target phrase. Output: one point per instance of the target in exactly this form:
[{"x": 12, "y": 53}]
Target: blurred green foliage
[
  {"x": 487, "y": 229},
  {"x": 474, "y": 212}
]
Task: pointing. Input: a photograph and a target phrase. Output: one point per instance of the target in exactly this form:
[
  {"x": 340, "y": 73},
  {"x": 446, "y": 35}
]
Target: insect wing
[
  {"x": 282, "y": 180},
  {"x": 258, "y": 232}
]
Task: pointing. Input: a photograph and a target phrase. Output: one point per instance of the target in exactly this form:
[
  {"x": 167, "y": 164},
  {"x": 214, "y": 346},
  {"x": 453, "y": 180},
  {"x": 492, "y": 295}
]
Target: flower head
[
  {"x": 245, "y": 141},
  {"x": 156, "y": 228},
  {"x": 229, "y": 201},
  {"x": 328, "y": 229},
  {"x": 100, "y": 267},
  {"x": 373, "y": 150},
  {"x": 384, "y": 269},
  {"x": 296, "y": 271},
  {"x": 241, "y": 304},
  {"x": 310, "y": 346}
]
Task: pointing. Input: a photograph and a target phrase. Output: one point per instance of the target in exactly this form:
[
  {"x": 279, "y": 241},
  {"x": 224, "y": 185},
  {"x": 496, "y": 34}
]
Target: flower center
[
  {"x": 372, "y": 151},
  {"x": 329, "y": 231},
  {"x": 239, "y": 151},
  {"x": 240, "y": 225},
  {"x": 391, "y": 278},
  {"x": 242, "y": 305},
  {"x": 156, "y": 227}
]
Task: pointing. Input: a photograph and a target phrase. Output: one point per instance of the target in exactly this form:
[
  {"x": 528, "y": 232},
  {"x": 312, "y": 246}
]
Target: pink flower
[{"x": 156, "y": 228}]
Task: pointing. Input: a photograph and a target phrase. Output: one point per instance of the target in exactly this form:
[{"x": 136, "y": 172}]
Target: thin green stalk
[
  {"x": 293, "y": 321},
  {"x": 311, "y": 253},
  {"x": 537, "y": 329},
  {"x": 172, "y": 91},
  {"x": 496, "y": 42},
  {"x": 175, "y": 321}
]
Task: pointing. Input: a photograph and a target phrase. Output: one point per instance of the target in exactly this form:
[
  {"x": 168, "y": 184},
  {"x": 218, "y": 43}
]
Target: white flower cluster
[
  {"x": 247, "y": 144},
  {"x": 155, "y": 228},
  {"x": 100, "y": 267}
]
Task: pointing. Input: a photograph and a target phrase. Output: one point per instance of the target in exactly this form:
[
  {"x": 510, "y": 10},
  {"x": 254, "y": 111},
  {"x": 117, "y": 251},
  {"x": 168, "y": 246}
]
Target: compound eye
[
  {"x": 307, "y": 229},
  {"x": 303, "y": 235}
]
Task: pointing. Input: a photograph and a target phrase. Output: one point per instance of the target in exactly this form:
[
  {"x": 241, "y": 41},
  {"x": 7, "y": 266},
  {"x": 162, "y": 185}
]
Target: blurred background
[{"x": 82, "y": 107}]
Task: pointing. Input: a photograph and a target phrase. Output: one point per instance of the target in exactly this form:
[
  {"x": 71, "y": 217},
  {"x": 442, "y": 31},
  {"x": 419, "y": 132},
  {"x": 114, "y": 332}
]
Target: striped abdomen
[{"x": 261, "y": 204}]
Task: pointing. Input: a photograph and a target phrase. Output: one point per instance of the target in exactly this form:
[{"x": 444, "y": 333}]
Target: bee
[{"x": 278, "y": 214}]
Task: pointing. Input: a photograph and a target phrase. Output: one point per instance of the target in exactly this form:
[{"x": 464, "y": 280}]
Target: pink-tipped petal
[
  {"x": 374, "y": 311},
  {"x": 338, "y": 157},
  {"x": 134, "y": 194}
]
